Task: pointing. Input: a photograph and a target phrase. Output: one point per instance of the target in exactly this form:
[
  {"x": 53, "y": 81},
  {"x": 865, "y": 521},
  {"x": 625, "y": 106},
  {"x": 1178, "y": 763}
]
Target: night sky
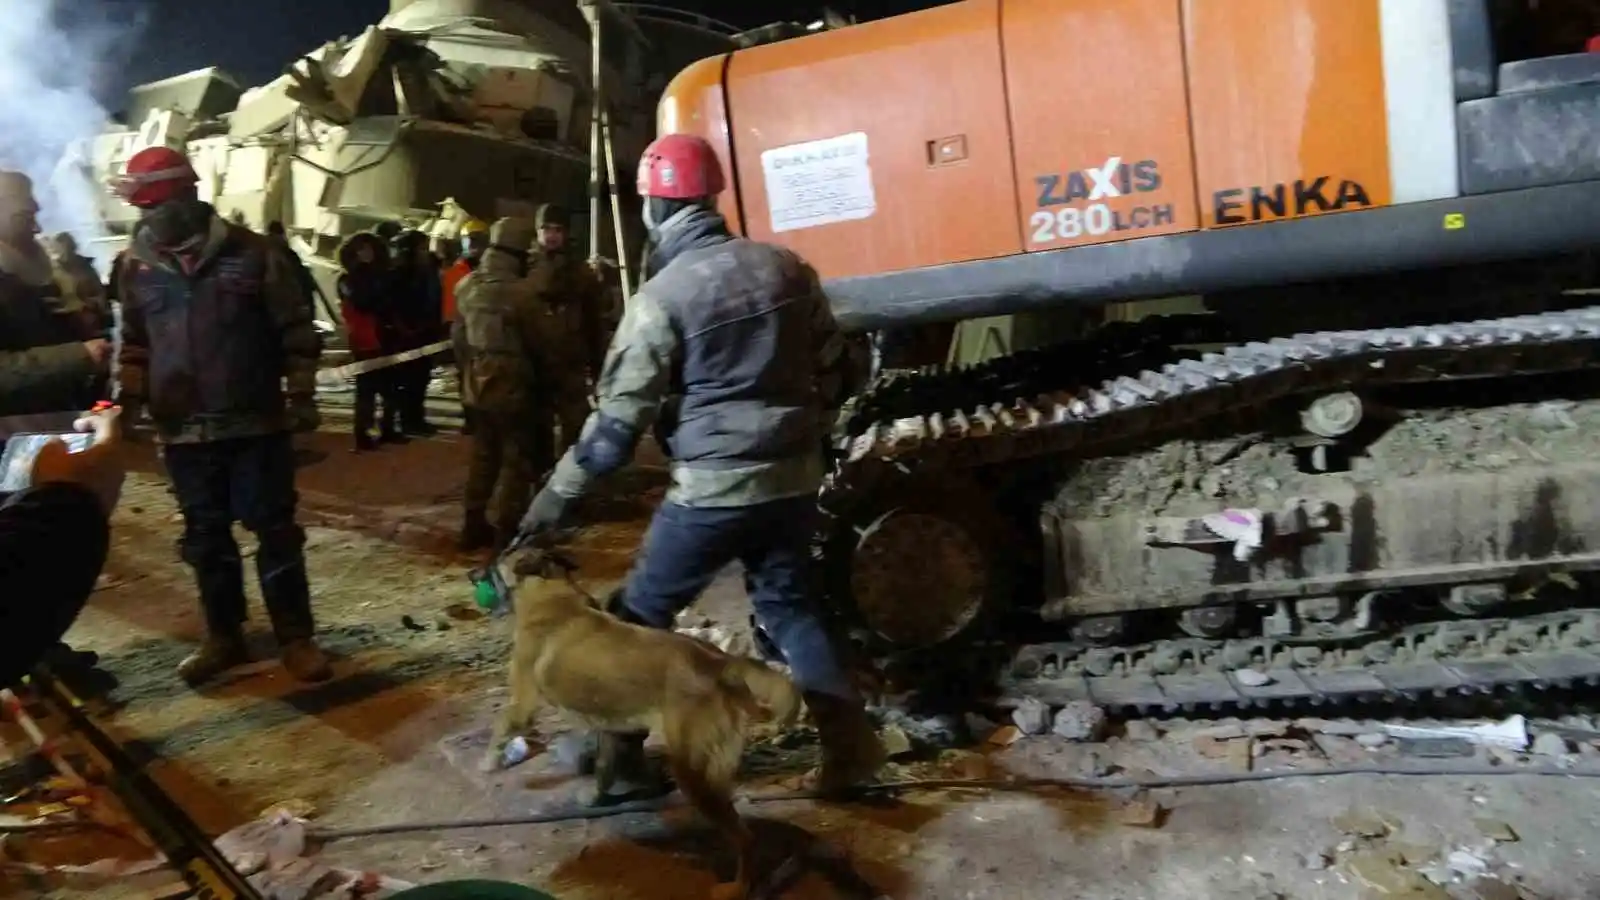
[{"x": 255, "y": 40}]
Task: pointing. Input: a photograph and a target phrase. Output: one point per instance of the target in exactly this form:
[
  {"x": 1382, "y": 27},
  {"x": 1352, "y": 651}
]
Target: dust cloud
[{"x": 54, "y": 59}]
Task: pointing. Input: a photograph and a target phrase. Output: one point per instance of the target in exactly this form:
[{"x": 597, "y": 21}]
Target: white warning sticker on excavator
[{"x": 819, "y": 182}]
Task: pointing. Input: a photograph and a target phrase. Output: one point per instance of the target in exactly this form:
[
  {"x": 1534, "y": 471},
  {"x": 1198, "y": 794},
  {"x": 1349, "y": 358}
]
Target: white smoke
[{"x": 54, "y": 59}]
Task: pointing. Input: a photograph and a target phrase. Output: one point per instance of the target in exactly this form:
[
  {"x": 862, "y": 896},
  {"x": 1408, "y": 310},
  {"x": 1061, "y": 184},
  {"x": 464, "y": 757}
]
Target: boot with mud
[
  {"x": 623, "y": 771},
  {"x": 305, "y": 661},
  {"x": 851, "y": 751},
  {"x": 476, "y": 533},
  {"x": 216, "y": 655}
]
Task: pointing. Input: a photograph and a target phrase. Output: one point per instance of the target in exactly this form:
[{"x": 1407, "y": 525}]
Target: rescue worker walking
[
  {"x": 742, "y": 335},
  {"x": 495, "y": 336},
  {"x": 219, "y": 344},
  {"x": 571, "y": 344}
]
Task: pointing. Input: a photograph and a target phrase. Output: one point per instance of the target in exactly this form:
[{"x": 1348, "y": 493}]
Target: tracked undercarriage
[{"x": 1347, "y": 514}]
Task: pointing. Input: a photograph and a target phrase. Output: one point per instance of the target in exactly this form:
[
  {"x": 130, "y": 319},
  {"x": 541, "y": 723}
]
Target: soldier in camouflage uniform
[
  {"x": 219, "y": 345},
  {"x": 495, "y": 335},
  {"x": 732, "y": 348},
  {"x": 80, "y": 273},
  {"x": 571, "y": 342}
]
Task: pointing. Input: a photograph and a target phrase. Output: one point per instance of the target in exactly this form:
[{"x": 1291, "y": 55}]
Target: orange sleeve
[{"x": 452, "y": 277}]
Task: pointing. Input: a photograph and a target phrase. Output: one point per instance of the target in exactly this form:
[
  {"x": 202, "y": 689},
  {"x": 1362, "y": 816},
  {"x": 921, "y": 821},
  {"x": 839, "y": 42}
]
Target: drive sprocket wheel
[{"x": 922, "y": 561}]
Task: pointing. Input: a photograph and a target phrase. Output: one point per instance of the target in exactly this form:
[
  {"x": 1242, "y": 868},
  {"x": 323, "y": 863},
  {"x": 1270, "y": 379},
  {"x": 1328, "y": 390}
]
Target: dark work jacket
[
  {"x": 415, "y": 297},
  {"x": 745, "y": 390},
  {"x": 210, "y": 352}
]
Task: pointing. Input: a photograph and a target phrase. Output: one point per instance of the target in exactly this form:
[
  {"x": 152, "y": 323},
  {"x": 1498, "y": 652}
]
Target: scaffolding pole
[
  {"x": 623, "y": 273},
  {"x": 591, "y": 13}
]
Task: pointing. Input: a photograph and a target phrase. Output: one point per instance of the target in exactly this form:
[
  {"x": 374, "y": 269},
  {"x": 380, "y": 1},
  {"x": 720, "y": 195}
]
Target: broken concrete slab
[
  {"x": 1032, "y": 716},
  {"x": 1080, "y": 720}
]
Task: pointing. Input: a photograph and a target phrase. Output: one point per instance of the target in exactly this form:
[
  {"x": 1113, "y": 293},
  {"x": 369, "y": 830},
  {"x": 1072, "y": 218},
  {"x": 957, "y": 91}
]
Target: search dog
[{"x": 612, "y": 676}]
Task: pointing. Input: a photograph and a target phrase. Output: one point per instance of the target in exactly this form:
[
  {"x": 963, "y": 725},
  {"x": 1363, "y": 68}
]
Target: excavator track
[
  {"x": 1552, "y": 651},
  {"x": 1131, "y": 388}
]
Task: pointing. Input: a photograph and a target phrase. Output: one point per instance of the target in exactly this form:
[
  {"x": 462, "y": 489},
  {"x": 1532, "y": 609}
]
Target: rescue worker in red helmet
[
  {"x": 219, "y": 346},
  {"x": 732, "y": 349}
]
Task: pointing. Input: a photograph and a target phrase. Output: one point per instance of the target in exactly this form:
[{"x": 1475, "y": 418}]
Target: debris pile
[
  {"x": 270, "y": 851},
  {"x": 1373, "y": 853}
]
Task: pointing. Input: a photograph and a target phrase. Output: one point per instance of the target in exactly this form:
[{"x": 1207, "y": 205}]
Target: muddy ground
[{"x": 393, "y": 739}]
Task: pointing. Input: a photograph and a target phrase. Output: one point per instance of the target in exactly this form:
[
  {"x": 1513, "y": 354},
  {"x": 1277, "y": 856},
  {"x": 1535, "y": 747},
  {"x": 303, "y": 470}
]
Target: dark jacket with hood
[
  {"x": 416, "y": 291},
  {"x": 363, "y": 296},
  {"x": 216, "y": 353}
]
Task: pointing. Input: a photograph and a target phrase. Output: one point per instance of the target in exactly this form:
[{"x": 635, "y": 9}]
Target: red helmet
[
  {"x": 155, "y": 175},
  {"x": 679, "y": 167}
]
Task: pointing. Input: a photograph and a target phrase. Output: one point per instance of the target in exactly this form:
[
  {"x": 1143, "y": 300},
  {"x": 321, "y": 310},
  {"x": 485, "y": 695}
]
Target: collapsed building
[{"x": 444, "y": 110}]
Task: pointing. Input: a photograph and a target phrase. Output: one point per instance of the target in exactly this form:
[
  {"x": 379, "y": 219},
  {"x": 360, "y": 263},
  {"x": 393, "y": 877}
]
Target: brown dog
[{"x": 615, "y": 677}]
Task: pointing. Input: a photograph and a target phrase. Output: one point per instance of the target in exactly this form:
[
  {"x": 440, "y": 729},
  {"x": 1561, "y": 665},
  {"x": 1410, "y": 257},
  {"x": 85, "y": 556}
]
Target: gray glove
[
  {"x": 549, "y": 511},
  {"x": 303, "y": 415}
]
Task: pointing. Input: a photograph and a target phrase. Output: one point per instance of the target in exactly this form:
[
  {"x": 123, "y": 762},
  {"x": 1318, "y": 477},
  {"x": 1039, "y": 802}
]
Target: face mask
[{"x": 179, "y": 226}]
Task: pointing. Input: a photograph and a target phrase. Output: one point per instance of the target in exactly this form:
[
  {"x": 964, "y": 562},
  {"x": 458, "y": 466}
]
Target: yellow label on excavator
[
  {"x": 1454, "y": 221},
  {"x": 209, "y": 885}
]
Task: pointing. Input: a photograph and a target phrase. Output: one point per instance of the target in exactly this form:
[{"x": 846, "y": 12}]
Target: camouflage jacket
[
  {"x": 88, "y": 289},
  {"x": 733, "y": 348},
  {"x": 216, "y": 353},
  {"x": 43, "y": 364},
  {"x": 571, "y": 344},
  {"x": 496, "y": 335}
]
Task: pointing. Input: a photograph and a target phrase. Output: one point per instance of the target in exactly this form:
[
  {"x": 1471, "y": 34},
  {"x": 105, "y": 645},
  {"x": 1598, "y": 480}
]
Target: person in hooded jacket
[
  {"x": 732, "y": 350},
  {"x": 363, "y": 302},
  {"x": 417, "y": 295}
]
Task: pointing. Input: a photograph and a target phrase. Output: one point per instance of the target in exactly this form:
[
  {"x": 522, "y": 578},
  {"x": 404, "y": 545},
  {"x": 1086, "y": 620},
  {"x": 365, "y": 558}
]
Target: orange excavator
[{"x": 1361, "y": 461}]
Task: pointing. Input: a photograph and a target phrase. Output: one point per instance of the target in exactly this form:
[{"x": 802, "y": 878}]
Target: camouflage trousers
[
  {"x": 508, "y": 456},
  {"x": 565, "y": 411}
]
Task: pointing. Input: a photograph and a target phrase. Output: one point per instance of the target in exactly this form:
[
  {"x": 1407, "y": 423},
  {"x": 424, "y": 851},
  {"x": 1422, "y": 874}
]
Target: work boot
[
  {"x": 215, "y": 655},
  {"x": 476, "y": 533},
  {"x": 633, "y": 775},
  {"x": 851, "y": 751},
  {"x": 79, "y": 671},
  {"x": 62, "y": 657},
  {"x": 305, "y": 661}
]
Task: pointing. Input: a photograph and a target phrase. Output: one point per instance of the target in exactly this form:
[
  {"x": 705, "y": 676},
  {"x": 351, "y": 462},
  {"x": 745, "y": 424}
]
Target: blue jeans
[{"x": 687, "y": 547}]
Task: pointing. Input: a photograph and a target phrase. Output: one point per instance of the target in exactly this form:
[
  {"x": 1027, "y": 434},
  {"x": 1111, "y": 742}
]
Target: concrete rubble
[{"x": 271, "y": 852}]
